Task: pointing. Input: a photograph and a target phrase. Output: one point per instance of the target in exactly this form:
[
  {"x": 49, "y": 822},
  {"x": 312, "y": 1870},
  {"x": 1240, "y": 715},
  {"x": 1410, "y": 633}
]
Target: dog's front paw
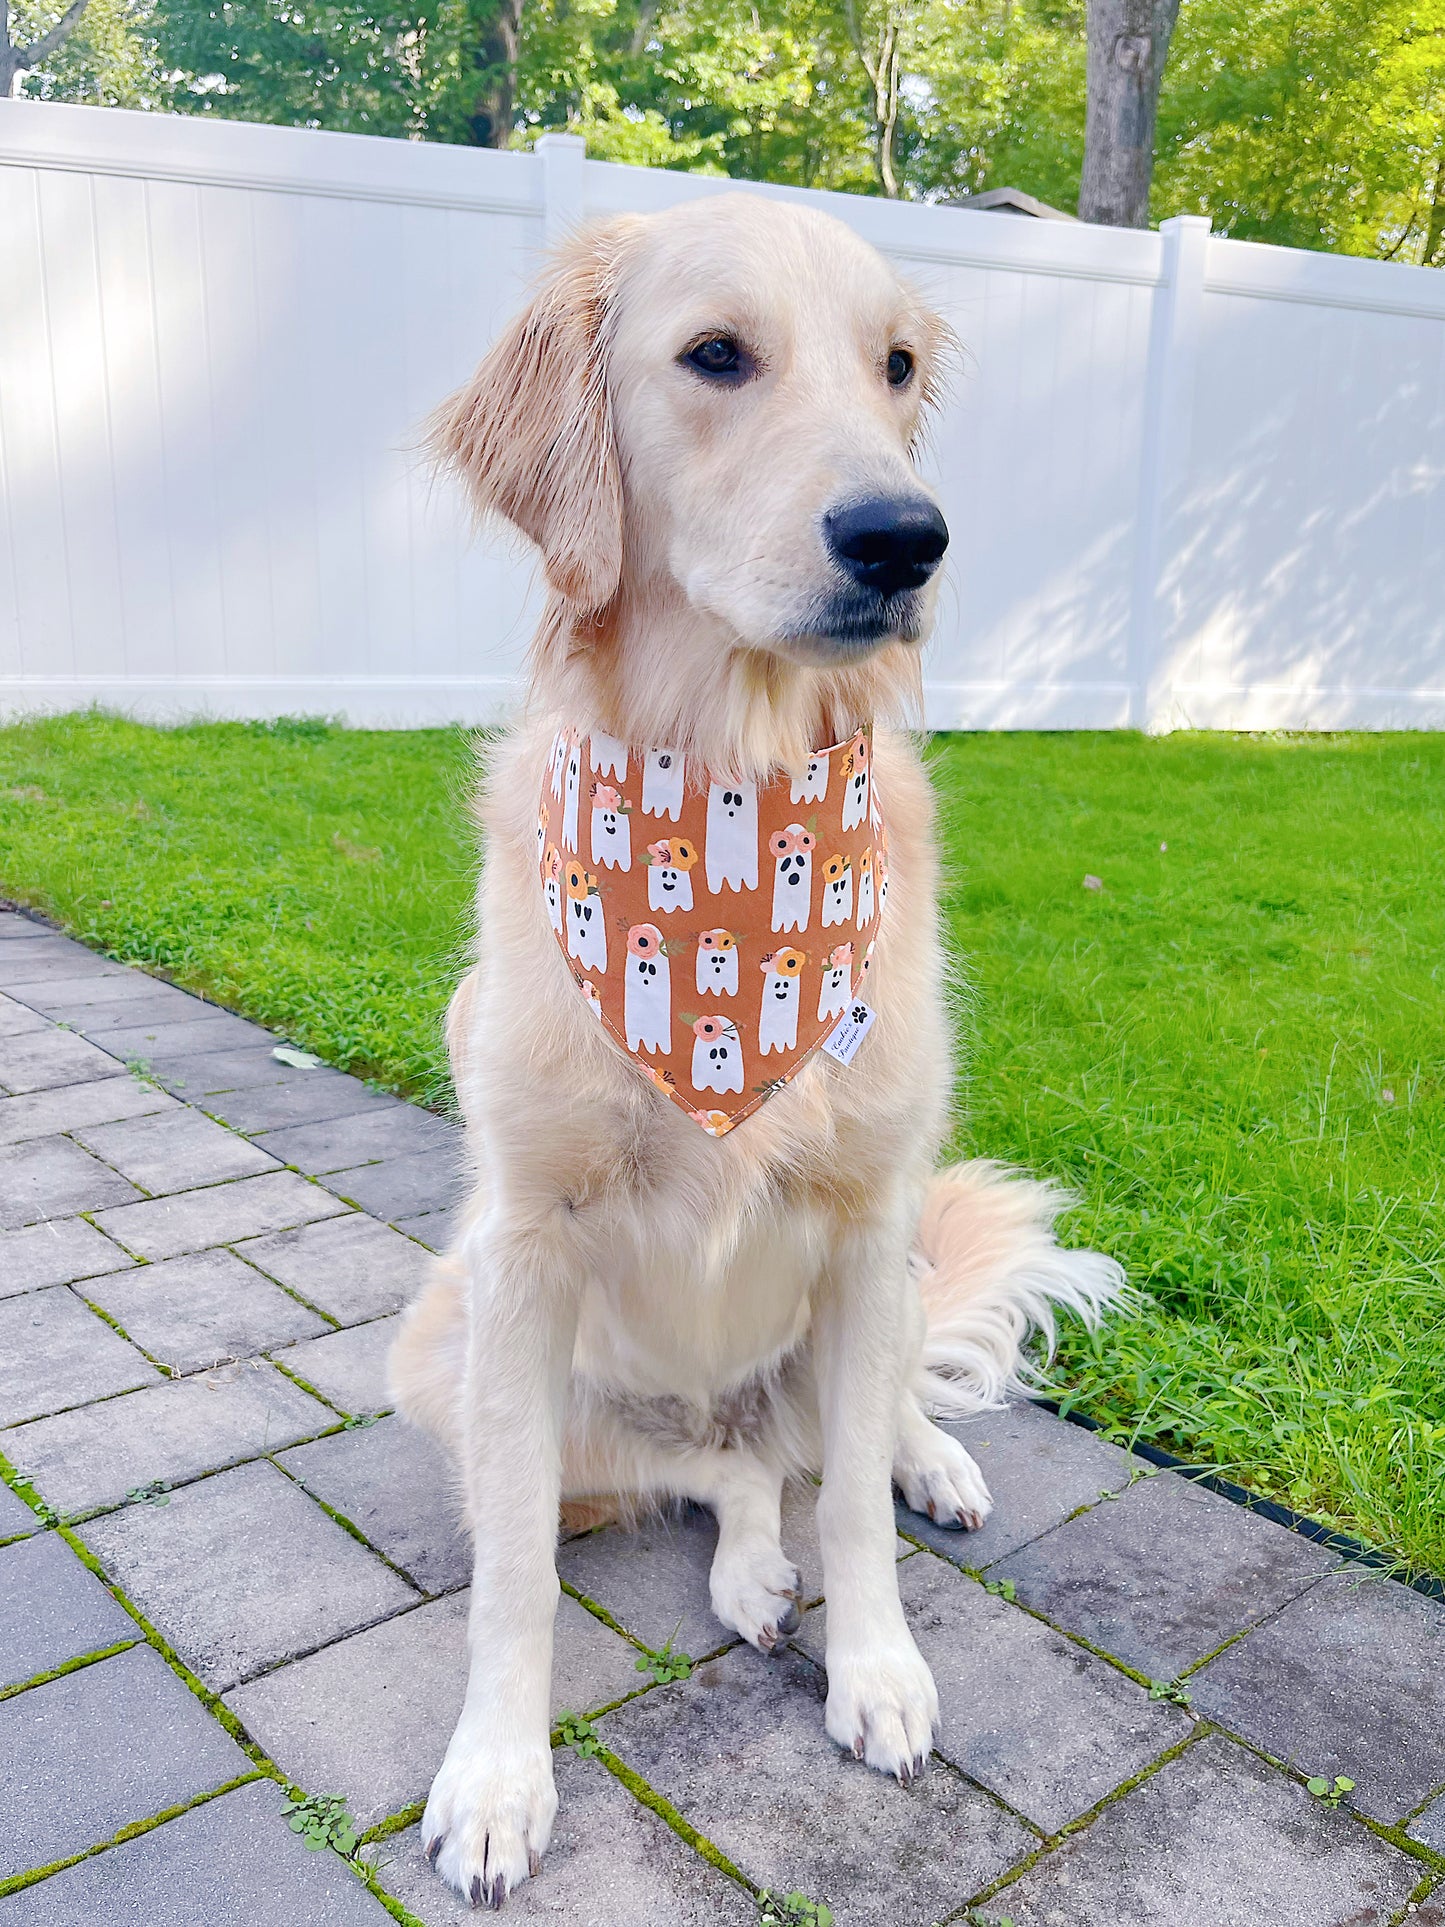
[
  {"x": 489, "y": 1818},
  {"x": 755, "y": 1593},
  {"x": 883, "y": 1705},
  {"x": 937, "y": 1477}
]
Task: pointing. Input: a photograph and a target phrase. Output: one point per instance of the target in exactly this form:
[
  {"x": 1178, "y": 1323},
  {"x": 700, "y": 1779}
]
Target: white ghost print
[
  {"x": 611, "y": 828},
  {"x": 647, "y": 990},
  {"x": 717, "y": 1055},
  {"x": 778, "y": 1024},
  {"x": 792, "y": 853},
  {"x": 662, "y": 783},
  {"x": 717, "y": 963},
  {"x": 731, "y": 851}
]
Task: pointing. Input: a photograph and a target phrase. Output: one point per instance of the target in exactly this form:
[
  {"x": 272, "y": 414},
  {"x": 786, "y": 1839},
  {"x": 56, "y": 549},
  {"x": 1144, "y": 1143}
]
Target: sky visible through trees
[{"x": 1314, "y": 123}]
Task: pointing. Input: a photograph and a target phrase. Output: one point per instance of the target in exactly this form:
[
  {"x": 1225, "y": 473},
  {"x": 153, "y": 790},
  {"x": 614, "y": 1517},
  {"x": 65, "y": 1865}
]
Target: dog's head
[{"x": 719, "y": 402}]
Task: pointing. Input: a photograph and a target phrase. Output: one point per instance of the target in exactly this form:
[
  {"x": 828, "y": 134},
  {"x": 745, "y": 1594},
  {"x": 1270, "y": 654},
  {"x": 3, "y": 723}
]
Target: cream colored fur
[{"x": 633, "y": 1309}]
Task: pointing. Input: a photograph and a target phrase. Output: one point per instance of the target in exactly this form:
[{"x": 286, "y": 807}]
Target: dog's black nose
[{"x": 887, "y": 543}]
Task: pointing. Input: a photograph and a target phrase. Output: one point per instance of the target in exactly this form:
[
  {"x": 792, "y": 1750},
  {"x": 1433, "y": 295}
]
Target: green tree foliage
[
  {"x": 108, "y": 59},
  {"x": 1317, "y": 125},
  {"x": 1314, "y": 123}
]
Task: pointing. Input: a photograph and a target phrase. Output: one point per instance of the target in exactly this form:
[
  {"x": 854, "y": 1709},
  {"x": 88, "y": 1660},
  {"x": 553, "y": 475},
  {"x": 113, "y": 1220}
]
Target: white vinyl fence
[{"x": 1191, "y": 481}]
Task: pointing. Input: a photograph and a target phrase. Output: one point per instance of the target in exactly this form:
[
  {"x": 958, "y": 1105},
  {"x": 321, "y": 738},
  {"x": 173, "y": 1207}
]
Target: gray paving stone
[
  {"x": 395, "y": 1485},
  {"x": 60, "y": 995},
  {"x": 308, "y": 1098},
  {"x": 1215, "y": 1839},
  {"x": 401, "y": 1187},
  {"x": 336, "y": 1144},
  {"x": 189, "y": 1037},
  {"x": 371, "y": 1715},
  {"x": 98, "y": 1749},
  {"x": 352, "y": 1267},
  {"x": 17, "y": 1019},
  {"x": 55, "y": 1353},
  {"x": 176, "y": 1152},
  {"x": 52, "y": 955},
  {"x": 197, "y": 1075},
  {"x": 740, "y": 1751},
  {"x": 49, "y": 1177},
  {"x": 73, "y": 1106},
  {"x": 242, "y": 1571},
  {"x": 1045, "y": 1725},
  {"x": 348, "y": 1367},
  {"x": 612, "y": 1863},
  {"x": 1165, "y": 1573},
  {"x": 148, "y": 1008},
  {"x": 219, "y": 1214},
  {"x": 1429, "y": 1827},
  {"x": 1038, "y": 1469},
  {"x": 54, "y": 1253},
  {"x": 14, "y": 924},
  {"x": 15, "y": 1516},
  {"x": 172, "y": 1431},
  {"x": 52, "y": 1609},
  {"x": 231, "y": 1862},
  {"x": 42, "y": 1060},
  {"x": 1348, "y": 1679},
  {"x": 652, "y": 1579},
  {"x": 434, "y": 1229},
  {"x": 206, "y": 1309}
]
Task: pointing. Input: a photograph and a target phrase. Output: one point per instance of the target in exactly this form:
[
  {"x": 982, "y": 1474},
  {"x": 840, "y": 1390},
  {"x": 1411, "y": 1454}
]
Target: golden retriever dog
[{"x": 706, "y": 421}]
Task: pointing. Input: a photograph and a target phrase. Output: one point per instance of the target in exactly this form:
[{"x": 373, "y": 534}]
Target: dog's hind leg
[
  {"x": 754, "y": 1586},
  {"x": 934, "y": 1473}
]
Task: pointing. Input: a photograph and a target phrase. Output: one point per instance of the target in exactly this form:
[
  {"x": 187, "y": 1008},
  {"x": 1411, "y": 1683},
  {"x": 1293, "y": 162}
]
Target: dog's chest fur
[{"x": 704, "y": 1252}]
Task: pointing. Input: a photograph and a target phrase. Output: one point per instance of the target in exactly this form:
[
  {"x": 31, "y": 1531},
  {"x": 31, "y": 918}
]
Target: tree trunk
[
  {"x": 1434, "y": 255},
  {"x": 491, "y": 119},
  {"x": 16, "y": 61},
  {"x": 1128, "y": 45},
  {"x": 881, "y": 64}
]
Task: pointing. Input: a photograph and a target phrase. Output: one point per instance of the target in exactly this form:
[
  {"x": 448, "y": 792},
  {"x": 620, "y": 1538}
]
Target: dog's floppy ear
[{"x": 531, "y": 432}]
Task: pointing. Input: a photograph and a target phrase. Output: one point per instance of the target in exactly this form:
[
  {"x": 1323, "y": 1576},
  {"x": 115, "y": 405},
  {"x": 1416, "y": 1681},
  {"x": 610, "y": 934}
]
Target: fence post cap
[
  {"x": 564, "y": 142},
  {"x": 1186, "y": 224}
]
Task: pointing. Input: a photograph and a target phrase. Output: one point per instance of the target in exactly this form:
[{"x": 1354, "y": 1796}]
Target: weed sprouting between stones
[
  {"x": 792, "y": 1910},
  {"x": 1330, "y": 1791},
  {"x": 322, "y": 1821},
  {"x": 578, "y": 1733},
  {"x": 667, "y": 1664},
  {"x": 1172, "y": 1690}
]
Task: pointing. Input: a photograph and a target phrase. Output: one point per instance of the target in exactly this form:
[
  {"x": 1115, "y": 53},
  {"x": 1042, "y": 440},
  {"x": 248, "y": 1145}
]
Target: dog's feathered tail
[{"x": 989, "y": 1272}]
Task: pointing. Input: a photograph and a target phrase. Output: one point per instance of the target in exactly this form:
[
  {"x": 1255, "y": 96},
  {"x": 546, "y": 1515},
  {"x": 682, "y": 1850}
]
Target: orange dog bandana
[{"x": 719, "y": 930}]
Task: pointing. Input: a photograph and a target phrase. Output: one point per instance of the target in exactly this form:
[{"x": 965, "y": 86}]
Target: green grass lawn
[{"x": 1233, "y": 1051}]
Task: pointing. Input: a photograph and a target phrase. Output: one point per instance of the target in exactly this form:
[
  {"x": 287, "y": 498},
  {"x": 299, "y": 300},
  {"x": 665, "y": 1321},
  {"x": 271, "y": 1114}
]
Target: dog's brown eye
[
  {"x": 718, "y": 355},
  {"x": 900, "y": 368}
]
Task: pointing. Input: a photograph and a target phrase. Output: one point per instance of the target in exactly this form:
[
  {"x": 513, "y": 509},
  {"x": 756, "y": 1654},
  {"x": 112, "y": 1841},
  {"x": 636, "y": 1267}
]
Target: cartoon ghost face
[
  {"x": 783, "y": 968},
  {"x": 644, "y": 942}
]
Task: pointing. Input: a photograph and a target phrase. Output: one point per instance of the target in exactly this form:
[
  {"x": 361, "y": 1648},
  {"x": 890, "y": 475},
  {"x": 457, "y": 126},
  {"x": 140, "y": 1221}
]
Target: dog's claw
[
  {"x": 791, "y": 1618},
  {"x": 433, "y": 1850},
  {"x": 498, "y": 1893},
  {"x": 534, "y": 1862},
  {"x": 476, "y": 1893}
]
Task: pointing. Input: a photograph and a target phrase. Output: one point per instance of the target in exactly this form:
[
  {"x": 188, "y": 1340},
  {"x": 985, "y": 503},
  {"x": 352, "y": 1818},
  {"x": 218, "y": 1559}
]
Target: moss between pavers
[
  {"x": 133, "y": 1831},
  {"x": 76, "y": 1665}
]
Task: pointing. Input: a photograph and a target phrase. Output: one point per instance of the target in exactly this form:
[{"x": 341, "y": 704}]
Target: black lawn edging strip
[{"x": 1355, "y": 1550}]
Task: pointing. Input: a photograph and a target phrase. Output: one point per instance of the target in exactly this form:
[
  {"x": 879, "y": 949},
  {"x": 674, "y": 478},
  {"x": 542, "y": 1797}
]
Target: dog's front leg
[
  {"x": 491, "y": 1808},
  {"x": 882, "y": 1704}
]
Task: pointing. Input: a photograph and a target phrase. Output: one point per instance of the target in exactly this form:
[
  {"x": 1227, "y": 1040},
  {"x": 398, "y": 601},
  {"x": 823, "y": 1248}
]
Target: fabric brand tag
[{"x": 844, "y": 1041}]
